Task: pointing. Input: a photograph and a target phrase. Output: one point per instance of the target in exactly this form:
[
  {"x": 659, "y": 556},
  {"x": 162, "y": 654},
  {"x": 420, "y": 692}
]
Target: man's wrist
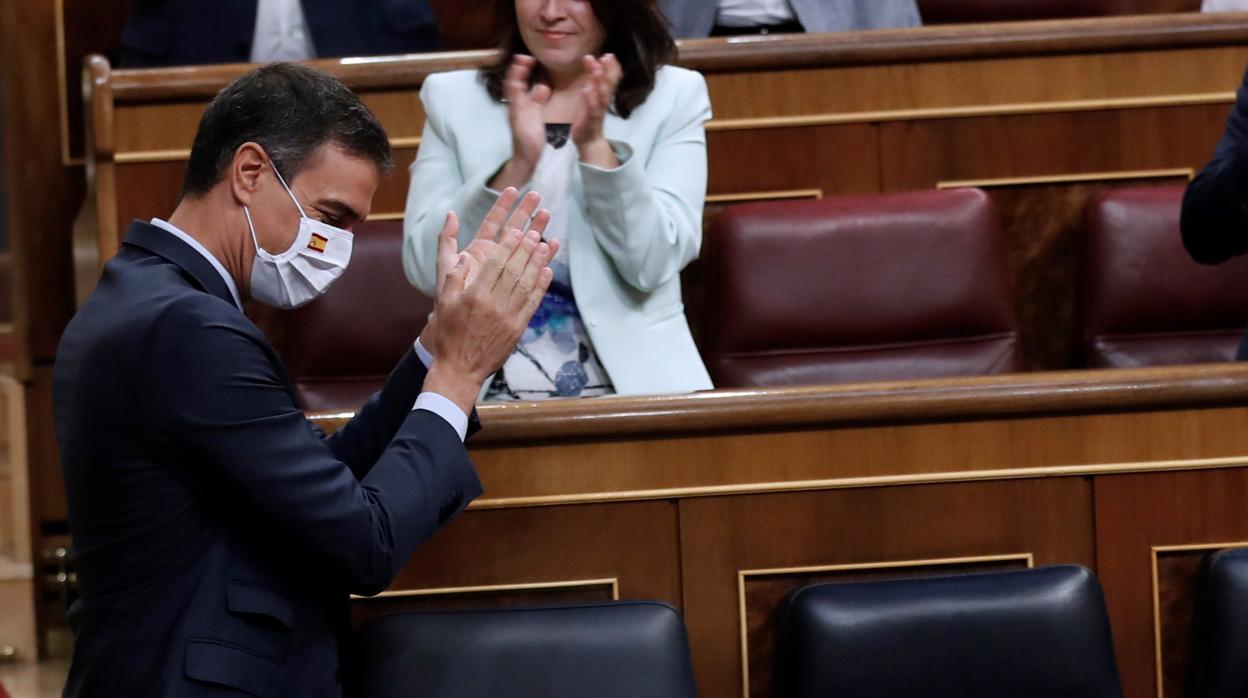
[{"x": 458, "y": 387}]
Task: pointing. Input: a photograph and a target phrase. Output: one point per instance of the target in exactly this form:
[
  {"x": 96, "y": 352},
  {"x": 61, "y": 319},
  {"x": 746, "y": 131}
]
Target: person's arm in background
[
  {"x": 1215, "y": 206},
  {"x": 647, "y": 216}
]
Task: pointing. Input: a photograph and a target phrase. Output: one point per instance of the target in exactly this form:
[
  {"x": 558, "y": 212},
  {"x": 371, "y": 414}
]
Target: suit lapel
[
  {"x": 163, "y": 244},
  {"x": 204, "y": 276}
]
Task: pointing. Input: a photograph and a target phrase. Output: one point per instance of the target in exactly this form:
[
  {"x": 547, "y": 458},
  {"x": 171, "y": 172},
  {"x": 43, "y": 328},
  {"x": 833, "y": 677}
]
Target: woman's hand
[
  {"x": 525, "y": 217},
  {"x": 486, "y": 294},
  {"x": 528, "y": 125},
  {"x": 596, "y": 99}
]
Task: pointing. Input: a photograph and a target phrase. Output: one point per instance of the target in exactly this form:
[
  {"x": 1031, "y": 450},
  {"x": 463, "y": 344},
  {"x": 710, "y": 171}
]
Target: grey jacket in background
[{"x": 694, "y": 18}]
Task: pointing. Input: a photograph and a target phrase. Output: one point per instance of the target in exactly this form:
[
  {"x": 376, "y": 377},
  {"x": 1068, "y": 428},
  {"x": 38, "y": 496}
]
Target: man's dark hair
[
  {"x": 636, "y": 33},
  {"x": 290, "y": 110}
]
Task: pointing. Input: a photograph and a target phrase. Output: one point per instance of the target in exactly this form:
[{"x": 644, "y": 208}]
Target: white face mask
[{"x": 315, "y": 260}]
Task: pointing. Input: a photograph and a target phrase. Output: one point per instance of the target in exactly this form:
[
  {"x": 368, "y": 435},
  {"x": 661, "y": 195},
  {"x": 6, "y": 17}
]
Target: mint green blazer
[{"x": 633, "y": 228}]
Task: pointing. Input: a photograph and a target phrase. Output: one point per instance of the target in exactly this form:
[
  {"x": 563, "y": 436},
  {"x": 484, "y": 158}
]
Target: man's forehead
[{"x": 337, "y": 178}]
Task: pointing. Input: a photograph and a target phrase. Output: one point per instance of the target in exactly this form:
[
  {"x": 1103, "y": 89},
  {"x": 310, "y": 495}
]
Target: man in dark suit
[
  {"x": 218, "y": 533},
  {"x": 1214, "y": 220},
  {"x": 189, "y": 32}
]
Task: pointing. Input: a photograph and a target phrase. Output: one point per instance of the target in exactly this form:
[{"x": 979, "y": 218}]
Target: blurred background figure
[
  {"x": 187, "y": 32},
  {"x": 700, "y": 18},
  {"x": 1224, "y": 6},
  {"x": 582, "y": 108}
]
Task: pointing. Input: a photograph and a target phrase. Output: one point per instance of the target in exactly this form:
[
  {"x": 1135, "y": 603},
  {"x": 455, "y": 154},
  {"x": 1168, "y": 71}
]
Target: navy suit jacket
[
  {"x": 192, "y": 32},
  {"x": 1214, "y": 220},
  {"x": 217, "y": 532}
]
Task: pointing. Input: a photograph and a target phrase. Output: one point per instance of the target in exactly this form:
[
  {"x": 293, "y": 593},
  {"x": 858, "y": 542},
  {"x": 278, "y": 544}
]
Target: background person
[
  {"x": 189, "y": 32},
  {"x": 582, "y": 107},
  {"x": 693, "y": 19},
  {"x": 1214, "y": 218}
]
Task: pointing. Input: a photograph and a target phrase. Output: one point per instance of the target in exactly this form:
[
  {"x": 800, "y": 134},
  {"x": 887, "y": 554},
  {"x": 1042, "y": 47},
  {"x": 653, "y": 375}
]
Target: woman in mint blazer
[{"x": 583, "y": 109}]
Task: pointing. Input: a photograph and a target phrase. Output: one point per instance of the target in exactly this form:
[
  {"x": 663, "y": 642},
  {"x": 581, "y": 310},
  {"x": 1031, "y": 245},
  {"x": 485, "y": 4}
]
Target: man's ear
[{"x": 249, "y": 162}]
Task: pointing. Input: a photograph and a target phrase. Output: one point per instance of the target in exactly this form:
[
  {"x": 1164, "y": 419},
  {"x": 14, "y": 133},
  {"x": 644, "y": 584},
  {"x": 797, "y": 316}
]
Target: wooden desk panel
[
  {"x": 730, "y": 545},
  {"x": 732, "y": 499},
  {"x": 1150, "y": 529}
]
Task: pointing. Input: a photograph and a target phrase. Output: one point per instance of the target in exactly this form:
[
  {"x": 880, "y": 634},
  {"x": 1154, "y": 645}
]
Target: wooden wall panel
[
  {"x": 924, "y": 153},
  {"x": 650, "y": 465},
  {"x": 720, "y": 537},
  {"x": 1136, "y": 514},
  {"x": 42, "y": 195},
  {"x": 634, "y": 543},
  {"x": 47, "y": 486},
  {"x": 1044, "y": 228},
  {"x": 147, "y": 190},
  {"x": 1042, "y": 170},
  {"x": 829, "y": 159},
  {"x": 85, "y": 27}
]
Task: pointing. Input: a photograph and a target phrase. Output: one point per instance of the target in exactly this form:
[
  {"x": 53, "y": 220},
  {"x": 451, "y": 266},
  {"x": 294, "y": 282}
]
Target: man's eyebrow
[{"x": 340, "y": 210}]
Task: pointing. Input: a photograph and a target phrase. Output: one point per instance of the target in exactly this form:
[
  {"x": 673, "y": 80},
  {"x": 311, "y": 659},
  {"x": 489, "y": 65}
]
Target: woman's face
[{"x": 560, "y": 32}]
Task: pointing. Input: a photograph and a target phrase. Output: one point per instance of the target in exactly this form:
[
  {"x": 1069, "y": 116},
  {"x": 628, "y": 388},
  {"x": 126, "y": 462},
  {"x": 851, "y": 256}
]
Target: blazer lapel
[{"x": 161, "y": 243}]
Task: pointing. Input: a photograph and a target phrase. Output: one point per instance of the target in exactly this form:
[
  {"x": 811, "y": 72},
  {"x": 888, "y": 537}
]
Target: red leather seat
[
  {"x": 340, "y": 348},
  {"x": 966, "y": 11},
  {"x": 858, "y": 288},
  {"x": 1145, "y": 302}
]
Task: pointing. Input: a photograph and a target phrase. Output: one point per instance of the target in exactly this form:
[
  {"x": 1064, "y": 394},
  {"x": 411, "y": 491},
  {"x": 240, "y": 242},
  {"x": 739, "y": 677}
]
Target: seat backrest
[
  {"x": 610, "y": 650},
  {"x": 1145, "y": 302},
  {"x": 1028, "y": 633},
  {"x": 968, "y": 11},
  {"x": 858, "y": 288},
  {"x": 340, "y": 348},
  {"x": 1221, "y": 667}
]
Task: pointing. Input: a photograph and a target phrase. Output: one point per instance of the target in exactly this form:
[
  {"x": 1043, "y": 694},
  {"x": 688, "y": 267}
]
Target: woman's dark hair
[
  {"x": 291, "y": 110},
  {"x": 636, "y": 33}
]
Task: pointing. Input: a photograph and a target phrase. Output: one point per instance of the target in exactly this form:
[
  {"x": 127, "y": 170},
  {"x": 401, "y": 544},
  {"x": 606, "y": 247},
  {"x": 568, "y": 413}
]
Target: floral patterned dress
[{"x": 555, "y": 358}]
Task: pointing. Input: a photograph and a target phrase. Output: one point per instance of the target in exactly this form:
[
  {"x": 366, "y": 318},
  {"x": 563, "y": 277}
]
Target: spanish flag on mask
[{"x": 317, "y": 243}]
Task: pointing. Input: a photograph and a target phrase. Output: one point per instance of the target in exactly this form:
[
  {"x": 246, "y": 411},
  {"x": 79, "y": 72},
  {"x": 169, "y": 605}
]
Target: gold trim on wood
[
  {"x": 742, "y": 575},
  {"x": 613, "y": 582},
  {"x": 1154, "y": 551},
  {"x": 175, "y": 154},
  {"x": 852, "y": 118},
  {"x": 831, "y": 119},
  {"x": 854, "y": 482},
  {"x": 1124, "y": 175},
  {"x": 62, "y": 84},
  {"x": 134, "y": 156},
  {"x": 745, "y": 196},
  {"x": 384, "y": 217}
]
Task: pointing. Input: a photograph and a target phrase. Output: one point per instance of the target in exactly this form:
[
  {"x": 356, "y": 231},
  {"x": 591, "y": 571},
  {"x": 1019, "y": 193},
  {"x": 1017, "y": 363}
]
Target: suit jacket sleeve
[
  {"x": 1214, "y": 221},
  {"x": 363, "y": 439},
  {"x": 438, "y": 186},
  {"x": 647, "y": 216},
  {"x": 220, "y": 413}
]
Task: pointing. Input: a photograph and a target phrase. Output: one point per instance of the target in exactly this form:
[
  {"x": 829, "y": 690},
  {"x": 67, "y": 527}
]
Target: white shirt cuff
[
  {"x": 444, "y": 408},
  {"x": 437, "y": 403},
  {"x": 423, "y": 354}
]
